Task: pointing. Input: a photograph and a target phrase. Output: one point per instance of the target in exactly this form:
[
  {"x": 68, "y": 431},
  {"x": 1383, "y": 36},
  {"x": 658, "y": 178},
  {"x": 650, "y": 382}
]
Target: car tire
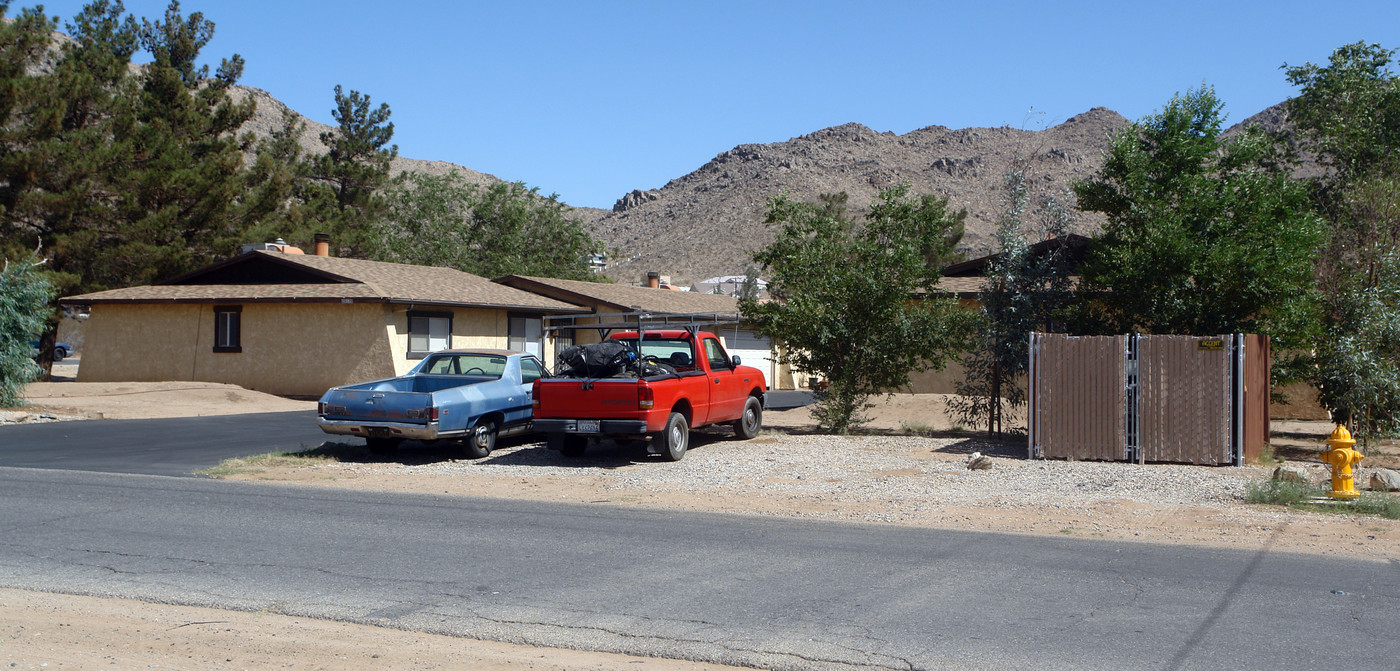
[
  {"x": 482, "y": 440},
  {"x": 58, "y": 354},
  {"x": 751, "y": 421},
  {"x": 672, "y": 441},
  {"x": 382, "y": 447}
]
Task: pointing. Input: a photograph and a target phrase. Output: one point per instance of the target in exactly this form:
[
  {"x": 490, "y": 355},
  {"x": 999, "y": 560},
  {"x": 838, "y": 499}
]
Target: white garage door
[{"x": 752, "y": 349}]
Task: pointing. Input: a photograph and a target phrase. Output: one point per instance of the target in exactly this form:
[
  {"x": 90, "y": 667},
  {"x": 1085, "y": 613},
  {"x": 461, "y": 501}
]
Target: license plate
[
  {"x": 588, "y": 426},
  {"x": 377, "y": 432}
]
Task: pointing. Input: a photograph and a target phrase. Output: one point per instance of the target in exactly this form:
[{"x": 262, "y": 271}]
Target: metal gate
[{"x": 1200, "y": 400}]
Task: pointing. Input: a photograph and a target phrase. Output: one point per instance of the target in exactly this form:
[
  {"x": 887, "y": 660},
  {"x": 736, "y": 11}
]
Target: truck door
[{"x": 727, "y": 389}]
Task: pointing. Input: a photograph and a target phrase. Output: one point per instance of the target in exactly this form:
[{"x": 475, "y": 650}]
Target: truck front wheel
[
  {"x": 672, "y": 441},
  {"x": 751, "y": 421}
]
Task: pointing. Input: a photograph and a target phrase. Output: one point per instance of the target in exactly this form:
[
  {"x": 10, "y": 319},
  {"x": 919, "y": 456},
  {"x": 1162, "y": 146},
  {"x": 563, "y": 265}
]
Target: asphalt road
[
  {"x": 748, "y": 590},
  {"x": 184, "y": 445},
  {"x": 177, "y": 446}
]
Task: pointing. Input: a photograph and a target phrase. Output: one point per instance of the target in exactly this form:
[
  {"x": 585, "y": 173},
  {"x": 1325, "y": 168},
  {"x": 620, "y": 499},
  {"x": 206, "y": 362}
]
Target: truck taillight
[
  {"x": 432, "y": 413},
  {"x": 646, "y": 400},
  {"x": 535, "y": 396}
]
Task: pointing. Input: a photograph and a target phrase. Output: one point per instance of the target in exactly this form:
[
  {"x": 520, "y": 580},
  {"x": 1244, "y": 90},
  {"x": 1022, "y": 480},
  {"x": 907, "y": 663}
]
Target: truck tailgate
[
  {"x": 381, "y": 406},
  {"x": 586, "y": 399}
]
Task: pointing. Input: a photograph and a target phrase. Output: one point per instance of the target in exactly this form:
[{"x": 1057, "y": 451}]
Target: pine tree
[{"x": 352, "y": 172}]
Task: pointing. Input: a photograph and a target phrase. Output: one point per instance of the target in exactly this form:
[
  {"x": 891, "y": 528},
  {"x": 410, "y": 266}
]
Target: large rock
[{"x": 1384, "y": 480}]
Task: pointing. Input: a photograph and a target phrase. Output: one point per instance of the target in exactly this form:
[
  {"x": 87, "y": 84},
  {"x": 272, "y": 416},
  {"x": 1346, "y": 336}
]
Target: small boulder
[
  {"x": 1290, "y": 474},
  {"x": 978, "y": 462},
  {"x": 1384, "y": 480}
]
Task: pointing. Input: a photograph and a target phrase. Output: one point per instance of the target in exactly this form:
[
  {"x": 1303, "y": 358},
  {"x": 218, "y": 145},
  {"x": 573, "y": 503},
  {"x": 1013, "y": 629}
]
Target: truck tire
[
  {"x": 382, "y": 447},
  {"x": 567, "y": 445},
  {"x": 482, "y": 440},
  {"x": 672, "y": 441},
  {"x": 751, "y": 421}
]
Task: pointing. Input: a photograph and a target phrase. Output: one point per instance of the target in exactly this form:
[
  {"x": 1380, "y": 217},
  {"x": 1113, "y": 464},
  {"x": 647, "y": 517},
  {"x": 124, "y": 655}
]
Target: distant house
[{"x": 296, "y": 324}]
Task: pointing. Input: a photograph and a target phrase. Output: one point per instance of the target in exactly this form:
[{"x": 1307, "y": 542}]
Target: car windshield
[{"x": 493, "y": 365}]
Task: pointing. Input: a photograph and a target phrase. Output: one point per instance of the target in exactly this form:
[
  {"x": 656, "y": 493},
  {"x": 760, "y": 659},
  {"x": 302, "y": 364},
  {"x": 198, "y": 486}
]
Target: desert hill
[{"x": 709, "y": 222}]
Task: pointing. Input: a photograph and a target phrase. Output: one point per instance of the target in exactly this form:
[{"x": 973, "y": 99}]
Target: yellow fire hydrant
[{"x": 1341, "y": 458}]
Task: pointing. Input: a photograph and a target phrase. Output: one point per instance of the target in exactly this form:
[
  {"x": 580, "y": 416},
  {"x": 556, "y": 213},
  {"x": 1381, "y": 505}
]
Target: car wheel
[
  {"x": 482, "y": 440},
  {"x": 749, "y": 423},
  {"x": 672, "y": 441},
  {"x": 58, "y": 354},
  {"x": 382, "y": 447}
]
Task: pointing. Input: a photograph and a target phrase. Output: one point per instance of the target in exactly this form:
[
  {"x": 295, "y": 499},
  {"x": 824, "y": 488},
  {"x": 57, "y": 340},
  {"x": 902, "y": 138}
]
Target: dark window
[
  {"x": 530, "y": 370},
  {"x": 428, "y": 332},
  {"x": 716, "y": 355},
  {"x": 525, "y": 334},
  {"x": 228, "y": 328}
]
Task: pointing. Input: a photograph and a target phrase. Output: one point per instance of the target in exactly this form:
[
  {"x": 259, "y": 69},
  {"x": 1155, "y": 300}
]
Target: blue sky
[{"x": 593, "y": 99}]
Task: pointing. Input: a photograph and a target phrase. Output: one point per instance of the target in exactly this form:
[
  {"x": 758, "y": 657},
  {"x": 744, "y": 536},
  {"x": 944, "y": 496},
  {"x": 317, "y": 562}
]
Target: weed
[
  {"x": 917, "y": 429},
  {"x": 1304, "y": 496},
  {"x": 1281, "y": 492},
  {"x": 324, "y": 454}
]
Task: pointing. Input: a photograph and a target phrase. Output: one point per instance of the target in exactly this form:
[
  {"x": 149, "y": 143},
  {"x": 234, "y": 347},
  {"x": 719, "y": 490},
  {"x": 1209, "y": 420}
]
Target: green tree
[
  {"x": 24, "y": 304},
  {"x": 857, "y": 303},
  {"x": 1025, "y": 292},
  {"x": 1347, "y": 114},
  {"x": 126, "y": 176},
  {"x": 1348, "y": 111},
  {"x": 352, "y": 173},
  {"x": 1203, "y": 235},
  {"x": 494, "y": 230}
]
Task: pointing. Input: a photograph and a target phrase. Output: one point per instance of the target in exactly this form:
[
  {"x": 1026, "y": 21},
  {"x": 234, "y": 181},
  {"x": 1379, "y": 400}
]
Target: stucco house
[{"x": 296, "y": 324}]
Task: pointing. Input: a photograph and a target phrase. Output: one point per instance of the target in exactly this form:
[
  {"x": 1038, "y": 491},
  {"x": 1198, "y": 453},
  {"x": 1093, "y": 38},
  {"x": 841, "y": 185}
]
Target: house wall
[
  {"x": 471, "y": 327},
  {"x": 291, "y": 349}
]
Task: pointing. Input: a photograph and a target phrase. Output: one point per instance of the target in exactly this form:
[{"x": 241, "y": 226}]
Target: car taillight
[
  {"x": 646, "y": 400},
  {"x": 320, "y": 408}
]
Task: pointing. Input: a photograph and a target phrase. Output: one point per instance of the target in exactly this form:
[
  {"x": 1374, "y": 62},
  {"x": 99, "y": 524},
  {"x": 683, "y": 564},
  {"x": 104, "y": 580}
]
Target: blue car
[
  {"x": 60, "y": 350},
  {"x": 469, "y": 395}
]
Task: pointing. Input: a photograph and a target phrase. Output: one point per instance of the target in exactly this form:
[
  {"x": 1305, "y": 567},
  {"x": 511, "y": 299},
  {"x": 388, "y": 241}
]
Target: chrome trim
[{"x": 411, "y": 431}]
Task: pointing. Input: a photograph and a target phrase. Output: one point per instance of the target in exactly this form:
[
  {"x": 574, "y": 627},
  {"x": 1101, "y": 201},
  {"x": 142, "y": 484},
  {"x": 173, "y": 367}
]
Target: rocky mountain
[
  {"x": 268, "y": 119},
  {"x": 710, "y": 221}
]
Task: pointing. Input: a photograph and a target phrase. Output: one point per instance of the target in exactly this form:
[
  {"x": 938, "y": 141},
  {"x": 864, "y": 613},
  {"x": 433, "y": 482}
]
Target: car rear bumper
[
  {"x": 606, "y": 427},
  {"x": 405, "y": 430}
]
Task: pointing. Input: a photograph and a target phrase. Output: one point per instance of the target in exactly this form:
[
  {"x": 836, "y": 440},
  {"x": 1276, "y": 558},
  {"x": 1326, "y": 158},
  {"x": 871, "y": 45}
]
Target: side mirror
[{"x": 736, "y": 360}]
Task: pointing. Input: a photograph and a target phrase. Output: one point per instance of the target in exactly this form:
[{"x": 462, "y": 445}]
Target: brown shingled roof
[
  {"x": 332, "y": 279},
  {"x": 623, "y": 297}
]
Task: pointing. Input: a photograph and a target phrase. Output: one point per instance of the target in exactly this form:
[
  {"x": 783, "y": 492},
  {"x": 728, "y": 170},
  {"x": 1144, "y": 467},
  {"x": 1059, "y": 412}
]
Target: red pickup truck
[{"x": 678, "y": 379}]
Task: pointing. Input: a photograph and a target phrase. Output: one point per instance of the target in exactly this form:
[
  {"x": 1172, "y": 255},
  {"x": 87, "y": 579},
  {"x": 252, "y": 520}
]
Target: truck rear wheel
[
  {"x": 568, "y": 445},
  {"x": 482, "y": 440},
  {"x": 749, "y": 423},
  {"x": 672, "y": 441}
]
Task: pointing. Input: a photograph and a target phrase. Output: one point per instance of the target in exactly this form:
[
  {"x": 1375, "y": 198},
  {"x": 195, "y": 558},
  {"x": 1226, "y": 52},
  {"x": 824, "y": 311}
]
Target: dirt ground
[{"x": 53, "y": 631}]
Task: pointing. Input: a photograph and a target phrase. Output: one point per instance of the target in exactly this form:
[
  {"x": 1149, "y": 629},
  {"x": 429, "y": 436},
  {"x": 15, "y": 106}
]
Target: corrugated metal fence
[{"x": 1149, "y": 398}]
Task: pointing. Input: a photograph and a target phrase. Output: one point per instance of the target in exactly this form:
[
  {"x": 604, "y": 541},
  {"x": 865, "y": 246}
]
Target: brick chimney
[
  {"x": 323, "y": 244},
  {"x": 653, "y": 279}
]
